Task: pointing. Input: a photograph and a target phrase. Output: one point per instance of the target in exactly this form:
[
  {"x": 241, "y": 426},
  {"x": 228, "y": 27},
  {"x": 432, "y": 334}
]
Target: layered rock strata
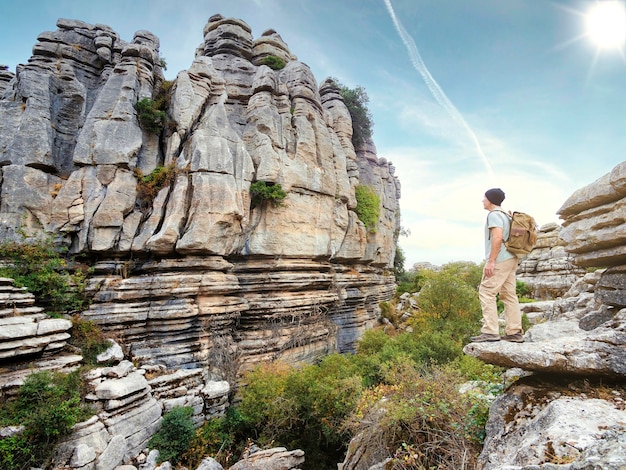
[
  {"x": 548, "y": 271},
  {"x": 195, "y": 281},
  {"x": 29, "y": 339},
  {"x": 196, "y": 267}
]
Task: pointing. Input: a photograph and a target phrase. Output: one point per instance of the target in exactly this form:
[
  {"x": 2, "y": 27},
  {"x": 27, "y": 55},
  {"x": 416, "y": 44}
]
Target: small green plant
[
  {"x": 367, "y": 206},
  {"x": 220, "y": 437},
  {"x": 148, "y": 186},
  {"x": 274, "y": 62},
  {"x": 522, "y": 290},
  {"x": 88, "y": 336},
  {"x": 47, "y": 405},
  {"x": 262, "y": 192},
  {"x": 175, "y": 435},
  {"x": 150, "y": 116},
  {"x": 40, "y": 267}
]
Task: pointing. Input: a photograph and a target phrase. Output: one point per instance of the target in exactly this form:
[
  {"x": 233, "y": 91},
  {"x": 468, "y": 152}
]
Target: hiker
[{"x": 498, "y": 275}]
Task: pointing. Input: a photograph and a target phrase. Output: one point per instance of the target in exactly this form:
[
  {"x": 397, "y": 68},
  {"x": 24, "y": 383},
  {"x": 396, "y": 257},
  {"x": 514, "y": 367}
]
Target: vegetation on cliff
[
  {"x": 274, "y": 62},
  {"x": 56, "y": 281},
  {"x": 47, "y": 405},
  {"x": 356, "y": 100},
  {"x": 367, "y": 206},
  {"x": 266, "y": 193}
]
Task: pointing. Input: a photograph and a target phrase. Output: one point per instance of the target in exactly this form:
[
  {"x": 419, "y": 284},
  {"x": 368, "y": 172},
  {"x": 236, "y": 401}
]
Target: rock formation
[
  {"x": 194, "y": 280},
  {"x": 572, "y": 411},
  {"x": 548, "y": 271},
  {"x": 29, "y": 339}
]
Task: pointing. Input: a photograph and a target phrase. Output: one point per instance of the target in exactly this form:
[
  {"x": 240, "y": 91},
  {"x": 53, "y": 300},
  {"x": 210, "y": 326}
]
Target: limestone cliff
[{"x": 197, "y": 265}]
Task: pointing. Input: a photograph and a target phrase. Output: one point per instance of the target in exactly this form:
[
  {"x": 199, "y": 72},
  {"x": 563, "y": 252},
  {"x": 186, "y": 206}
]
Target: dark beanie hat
[{"x": 495, "y": 196}]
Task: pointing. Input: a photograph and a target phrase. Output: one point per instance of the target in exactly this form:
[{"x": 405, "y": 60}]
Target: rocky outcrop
[
  {"x": 29, "y": 339},
  {"x": 548, "y": 270},
  {"x": 198, "y": 268},
  {"x": 593, "y": 220},
  {"x": 195, "y": 281},
  {"x": 568, "y": 425}
]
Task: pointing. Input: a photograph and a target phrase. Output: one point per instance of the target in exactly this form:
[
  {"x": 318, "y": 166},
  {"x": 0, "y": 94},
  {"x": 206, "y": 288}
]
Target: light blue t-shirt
[{"x": 500, "y": 219}]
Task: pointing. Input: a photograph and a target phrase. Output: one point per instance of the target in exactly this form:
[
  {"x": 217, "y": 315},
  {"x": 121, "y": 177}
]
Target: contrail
[{"x": 433, "y": 86}]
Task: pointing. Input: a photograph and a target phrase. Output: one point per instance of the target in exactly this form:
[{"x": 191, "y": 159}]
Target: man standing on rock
[{"x": 498, "y": 275}]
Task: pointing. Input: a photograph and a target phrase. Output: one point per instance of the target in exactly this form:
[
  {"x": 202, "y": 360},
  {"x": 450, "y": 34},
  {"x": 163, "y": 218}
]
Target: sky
[{"x": 465, "y": 95}]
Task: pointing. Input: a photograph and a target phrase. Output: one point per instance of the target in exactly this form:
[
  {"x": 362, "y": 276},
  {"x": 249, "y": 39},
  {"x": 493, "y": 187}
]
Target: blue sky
[{"x": 465, "y": 94}]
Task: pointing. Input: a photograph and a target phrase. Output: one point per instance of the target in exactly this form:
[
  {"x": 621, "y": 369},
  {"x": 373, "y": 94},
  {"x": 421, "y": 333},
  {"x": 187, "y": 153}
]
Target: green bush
[
  {"x": 89, "y": 338},
  {"x": 423, "y": 418},
  {"x": 223, "y": 438},
  {"x": 398, "y": 263},
  {"x": 367, "y": 206},
  {"x": 39, "y": 266},
  {"x": 148, "y": 186},
  {"x": 47, "y": 405},
  {"x": 262, "y": 192},
  {"x": 447, "y": 303},
  {"x": 274, "y": 62},
  {"x": 150, "y": 116},
  {"x": 303, "y": 408},
  {"x": 175, "y": 434}
]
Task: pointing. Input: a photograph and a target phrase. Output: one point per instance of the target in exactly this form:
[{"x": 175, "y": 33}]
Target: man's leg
[
  {"x": 487, "y": 292},
  {"x": 508, "y": 295}
]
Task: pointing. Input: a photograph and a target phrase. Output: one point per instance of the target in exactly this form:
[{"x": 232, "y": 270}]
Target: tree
[{"x": 356, "y": 100}]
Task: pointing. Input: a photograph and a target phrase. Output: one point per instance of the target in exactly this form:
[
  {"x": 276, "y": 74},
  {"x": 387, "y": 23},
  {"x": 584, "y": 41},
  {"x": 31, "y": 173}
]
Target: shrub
[
  {"x": 448, "y": 303},
  {"x": 303, "y": 408},
  {"x": 222, "y": 437},
  {"x": 367, "y": 206},
  {"x": 262, "y": 192},
  {"x": 39, "y": 266},
  {"x": 274, "y": 62},
  {"x": 148, "y": 186},
  {"x": 175, "y": 434},
  {"x": 150, "y": 116},
  {"x": 522, "y": 290},
  {"x": 47, "y": 405},
  {"x": 87, "y": 336},
  {"x": 398, "y": 263},
  {"x": 423, "y": 418}
]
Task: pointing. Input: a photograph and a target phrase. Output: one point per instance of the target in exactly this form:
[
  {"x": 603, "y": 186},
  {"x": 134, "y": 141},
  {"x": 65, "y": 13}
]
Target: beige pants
[{"x": 502, "y": 282}]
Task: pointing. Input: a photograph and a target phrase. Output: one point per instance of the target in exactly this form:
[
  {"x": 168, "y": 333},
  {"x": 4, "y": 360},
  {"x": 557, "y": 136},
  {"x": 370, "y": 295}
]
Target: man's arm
[{"x": 496, "y": 245}]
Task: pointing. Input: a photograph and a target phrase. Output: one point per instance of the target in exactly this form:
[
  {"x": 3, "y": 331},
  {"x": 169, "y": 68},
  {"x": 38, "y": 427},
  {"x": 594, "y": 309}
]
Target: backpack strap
[{"x": 507, "y": 216}]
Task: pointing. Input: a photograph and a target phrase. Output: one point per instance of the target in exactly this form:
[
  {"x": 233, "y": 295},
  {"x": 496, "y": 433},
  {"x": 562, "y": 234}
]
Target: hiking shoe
[
  {"x": 484, "y": 337},
  {"x": 514, "y": 338}
]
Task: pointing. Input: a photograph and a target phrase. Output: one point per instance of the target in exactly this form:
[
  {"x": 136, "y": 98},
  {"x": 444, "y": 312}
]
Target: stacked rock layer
[{"x": 194, "y": 274}]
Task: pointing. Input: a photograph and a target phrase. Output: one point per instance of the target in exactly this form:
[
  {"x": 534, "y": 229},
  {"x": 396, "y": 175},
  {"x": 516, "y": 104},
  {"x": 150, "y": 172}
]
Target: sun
[{"x": 606, "y": 24}]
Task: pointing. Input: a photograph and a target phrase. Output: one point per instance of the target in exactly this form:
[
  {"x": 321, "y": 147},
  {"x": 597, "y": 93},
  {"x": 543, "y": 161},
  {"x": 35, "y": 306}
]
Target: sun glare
[{"x": 606, "y": 24}]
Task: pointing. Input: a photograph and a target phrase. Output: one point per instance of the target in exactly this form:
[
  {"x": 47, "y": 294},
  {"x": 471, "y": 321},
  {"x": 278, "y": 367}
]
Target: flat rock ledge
[{"x": 599, "y": 352}]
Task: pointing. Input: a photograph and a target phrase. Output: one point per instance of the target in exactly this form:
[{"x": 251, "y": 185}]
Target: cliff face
[{"x": 196, "y": 276}]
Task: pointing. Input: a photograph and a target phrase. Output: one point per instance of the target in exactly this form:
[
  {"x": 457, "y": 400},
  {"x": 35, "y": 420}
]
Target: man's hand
[
  {"x": 496, "y": 245},
  {"x": 490, "y": 268}
]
